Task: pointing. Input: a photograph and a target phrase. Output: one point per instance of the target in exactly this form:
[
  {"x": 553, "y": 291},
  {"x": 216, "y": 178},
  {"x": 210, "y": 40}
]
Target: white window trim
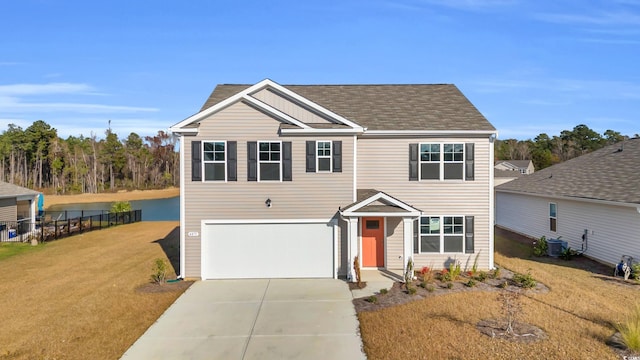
[
  {"x": 226, "y": 155},
  {"x": 442, "y": 162},
  {"x": 553, "y": 217},
  {"x": 330, "y": 157},
  {"x": 269, "y": 161},
  {"x": 442, "y": 234}
]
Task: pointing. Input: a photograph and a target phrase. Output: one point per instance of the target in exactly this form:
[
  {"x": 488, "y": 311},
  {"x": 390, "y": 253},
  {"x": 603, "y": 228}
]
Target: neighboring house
[
  {"x": 17, "y": 210},
  {"x": 592, "y": 202},
  {"x": 507, "y": 170},
  {"x": 524, "y": 167},
  {"x": 297, "y": 180}
]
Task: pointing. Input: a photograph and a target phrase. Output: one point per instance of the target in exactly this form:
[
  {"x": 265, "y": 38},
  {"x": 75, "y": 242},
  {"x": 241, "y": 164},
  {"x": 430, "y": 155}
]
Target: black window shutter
[
  {"x": 311, "y": 156},
  {"x": 286, "y": 161},
  {"x": 468, "y": 236},
  {"x": 469, "y": 162},
  {"x": 337, "y": 156},
  {"x": 196, "y": 161},
  {"x": 252, "y": 161},
  {"x": 413, "y": 162},
  {"x": 232, "y": 161},
  {"x": 416, "y": 236}
]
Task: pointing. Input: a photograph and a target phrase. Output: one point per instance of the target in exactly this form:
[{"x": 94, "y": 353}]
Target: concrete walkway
[
  {"x": 256, "y": 319},
  {"x": 376, "y": 280}
]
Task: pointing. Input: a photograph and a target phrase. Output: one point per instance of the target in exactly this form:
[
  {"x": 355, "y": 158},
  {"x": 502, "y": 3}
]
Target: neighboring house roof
[
  {"x": 610, "y": 174},
  {"x": 506, "y": 173},
  {"x": 386, "y": 107},
  {"x": 516, "y": 163},
  {"x": 10, "y": 190}
]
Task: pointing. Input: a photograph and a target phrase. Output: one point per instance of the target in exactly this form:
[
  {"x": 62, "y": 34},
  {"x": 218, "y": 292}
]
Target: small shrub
[
  {"x": 481, "y": 276},
  {"x": 120, "y": 206},
  {"x": 423, "y": 285},
  {"x": 455, "y": 270},
  {"x": 474, "y": 269},
  {"x": 568, "y": 253},
  {"x": 540, "y": 247},
  {"x": 408, "y": 274},
  {"x": 635, "y": 271},
  {"x": 430, "y": 288},
  {"x": 372, "y": 299},
  {"x": 427, "y": 274},
  {"x": 496, "y": 273},
  {"x": 444, "y": 275},
  {"x": 525, "y": 281},
  {"x": 503, "y": 285},
  {"x": 384, "y": 291},
  {"x": 471, "y": 283},
  {"x": 630, "y": 330},
  {"x": 160, "y": 269},
  {"x": 449, "y": 285}
]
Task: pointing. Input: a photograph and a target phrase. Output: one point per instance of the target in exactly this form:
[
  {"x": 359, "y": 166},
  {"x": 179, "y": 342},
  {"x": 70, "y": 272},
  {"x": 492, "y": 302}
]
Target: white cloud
[
  {"x": 50, "y": 88},
  {"x": 14, "y": 105},
  {"x": 601, "y": 18}
]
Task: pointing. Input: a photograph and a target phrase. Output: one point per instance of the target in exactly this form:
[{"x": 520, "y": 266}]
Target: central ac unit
[{"x": 556, "y": 247}]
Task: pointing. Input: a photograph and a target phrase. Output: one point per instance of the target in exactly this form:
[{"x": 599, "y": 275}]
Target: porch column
[
  {"x": 352, "y": 248},
  {"x": 407, "y": 234},
  {"x": 33, "y": 213}
]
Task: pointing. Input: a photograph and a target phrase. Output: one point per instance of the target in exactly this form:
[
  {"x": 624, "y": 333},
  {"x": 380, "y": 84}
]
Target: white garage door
[{"x": 273, "y": 250}]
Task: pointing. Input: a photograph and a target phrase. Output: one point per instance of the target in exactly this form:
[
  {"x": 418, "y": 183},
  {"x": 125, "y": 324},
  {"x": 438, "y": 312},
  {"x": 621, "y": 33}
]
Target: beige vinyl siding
[
  {"x": 288, "y": 107},
  {"x": 612, "y": 231},
  {"x": 308, "y": 196},
  {"x": 8, "y": 209},
  {"x": 383, "y": 164},
  {"x": 394, "y": 243}
]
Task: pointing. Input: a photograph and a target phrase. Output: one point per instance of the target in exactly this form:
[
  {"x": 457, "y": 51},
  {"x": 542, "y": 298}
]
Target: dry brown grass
[
  {"x": 77, "y": 298},
  {"x": 50, "y": 200},
  {"x": 577, "y": 315}
]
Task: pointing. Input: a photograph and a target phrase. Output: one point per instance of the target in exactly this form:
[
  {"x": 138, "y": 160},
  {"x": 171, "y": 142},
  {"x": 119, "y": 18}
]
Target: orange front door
[{"x": 372, "y": 242}]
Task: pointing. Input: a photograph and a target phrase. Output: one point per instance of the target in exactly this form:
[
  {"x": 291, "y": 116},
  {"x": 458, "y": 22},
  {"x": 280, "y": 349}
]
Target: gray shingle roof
[
  {"x": 10, "y": 190},
  {"x": 506, "y": 173},
  {"x": 606, "y": 174},
  {"x": 386, "y": 107}
]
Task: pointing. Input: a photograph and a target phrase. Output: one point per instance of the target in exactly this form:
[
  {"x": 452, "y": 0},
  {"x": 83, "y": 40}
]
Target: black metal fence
[{"x": 46, "y": 230}]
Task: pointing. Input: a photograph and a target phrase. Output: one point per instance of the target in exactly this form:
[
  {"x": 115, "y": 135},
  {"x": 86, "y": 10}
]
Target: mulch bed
[
  {"x": 398, "y": 294},
  {"x": 152, "y": 287}
]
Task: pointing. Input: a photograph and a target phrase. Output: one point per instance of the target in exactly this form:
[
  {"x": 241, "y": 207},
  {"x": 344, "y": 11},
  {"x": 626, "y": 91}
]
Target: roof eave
[
  {"x": 430, "y": 133},
  {"x": 572, "y": 198}
]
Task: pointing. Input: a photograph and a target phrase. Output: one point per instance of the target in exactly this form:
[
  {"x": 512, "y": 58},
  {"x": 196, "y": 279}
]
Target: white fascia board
[
  {"x": 313, "y": 105},
  {"x": 266, "y": 221},
  {"x": 457, "y": 133},
  {"x": 224, "y": 103},
  {"x": 572, "y": 198},
  {"x": 320, "y": 131},
  {"x": 273, "y": 111},
  {"x": 179, "y": 131},
  {"x": 381, "y": 214},
  {"x": 25, "y": 197},
  {"x": 385, "y": 197}
]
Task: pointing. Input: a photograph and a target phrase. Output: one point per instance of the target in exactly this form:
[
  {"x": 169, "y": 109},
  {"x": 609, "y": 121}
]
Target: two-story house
[{"x": 298, "y": 180}]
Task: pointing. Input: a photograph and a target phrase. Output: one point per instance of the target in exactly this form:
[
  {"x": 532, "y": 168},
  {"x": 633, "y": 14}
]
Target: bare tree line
[{"x": 37, "y": 158}]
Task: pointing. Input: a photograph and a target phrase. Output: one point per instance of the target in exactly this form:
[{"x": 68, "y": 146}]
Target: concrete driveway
[{"x": 256, "y": 319}]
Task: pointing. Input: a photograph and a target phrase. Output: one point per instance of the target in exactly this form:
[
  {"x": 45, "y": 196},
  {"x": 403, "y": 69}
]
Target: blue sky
[{"x": 528, "y": 66}]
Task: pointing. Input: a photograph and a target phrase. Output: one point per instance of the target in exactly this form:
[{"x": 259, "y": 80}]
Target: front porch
[{"x": 380, "y": 233}]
